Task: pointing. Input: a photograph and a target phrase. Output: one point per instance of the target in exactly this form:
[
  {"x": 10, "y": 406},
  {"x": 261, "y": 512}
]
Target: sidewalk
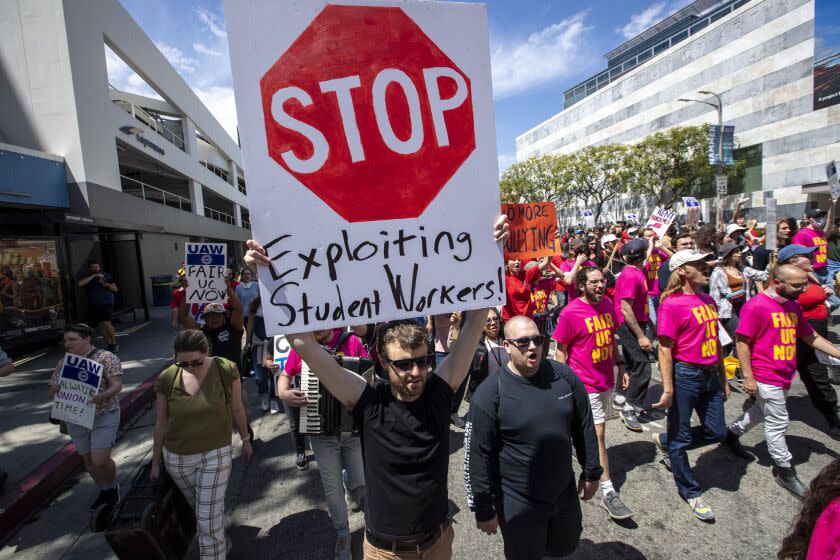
[{"x": 27, "y": 438}]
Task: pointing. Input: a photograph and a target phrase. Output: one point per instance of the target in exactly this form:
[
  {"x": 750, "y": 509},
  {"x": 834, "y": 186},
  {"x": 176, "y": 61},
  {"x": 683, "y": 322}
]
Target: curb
[{"x": 39, "y": 486}]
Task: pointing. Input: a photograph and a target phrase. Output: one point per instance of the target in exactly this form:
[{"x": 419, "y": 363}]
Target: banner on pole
[
  {"x": 79, "y": 382},
  {"x": 692, "y": 214},
  {"x": 342, "y": 110},
  {"x": 206, "y": 264},
  {"x": 660, "y": 221},
  {"x": 770, "y": 229},
  {"x": 728, "y": 139},
  {"x": 533, "y": 226}
]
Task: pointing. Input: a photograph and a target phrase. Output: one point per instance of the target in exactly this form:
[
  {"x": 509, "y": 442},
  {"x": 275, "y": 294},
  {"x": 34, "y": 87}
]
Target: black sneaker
[
  {"x": 615, "y": 507},
  {"x": 787, "y": 479},
  {"x": 733, "y": 443},
  {"x": 663, "y": 451},
  {"x": 302, "y": 462},
  {"x": 457, "y": 421},
  {"x": 101, "y": 499},
  {"x": 631, "y": 420}
]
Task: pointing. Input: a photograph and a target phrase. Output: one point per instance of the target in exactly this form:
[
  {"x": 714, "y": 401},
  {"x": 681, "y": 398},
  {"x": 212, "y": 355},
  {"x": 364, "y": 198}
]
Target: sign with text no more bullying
[
  {"x": 368, "y": 135},
  {"x": 532, "y": 229},
  {"x": 79, "y": 382}
]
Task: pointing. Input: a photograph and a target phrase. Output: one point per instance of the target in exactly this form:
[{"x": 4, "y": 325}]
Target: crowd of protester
[{"x": 615, "y": 304}]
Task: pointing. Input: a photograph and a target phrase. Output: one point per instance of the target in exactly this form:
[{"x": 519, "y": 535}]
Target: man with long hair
[{"x": 692, "y": 371}]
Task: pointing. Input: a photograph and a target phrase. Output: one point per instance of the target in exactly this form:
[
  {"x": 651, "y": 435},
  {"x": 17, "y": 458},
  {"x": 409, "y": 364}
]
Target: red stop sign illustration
[{"x": 368, "y": 113}]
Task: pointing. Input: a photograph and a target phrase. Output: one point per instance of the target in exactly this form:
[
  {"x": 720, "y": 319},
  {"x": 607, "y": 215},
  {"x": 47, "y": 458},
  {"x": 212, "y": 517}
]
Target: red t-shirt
[
  {"x": 812, "y": 302},
  {"x": 180, "y": 295},
  {"x": 518, "y": 289}
]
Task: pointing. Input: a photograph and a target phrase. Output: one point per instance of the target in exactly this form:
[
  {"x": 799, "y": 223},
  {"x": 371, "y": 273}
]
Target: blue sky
[{"x": 539, "y": 48}]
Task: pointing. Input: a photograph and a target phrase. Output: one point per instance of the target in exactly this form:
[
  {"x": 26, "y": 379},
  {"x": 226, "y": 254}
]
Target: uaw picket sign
[
  {"x": 79, "y": 382},
  {"x": 367, "y": 131},
  {"x": 692, "y": 210},
  {"x": 206, "y": 263}
]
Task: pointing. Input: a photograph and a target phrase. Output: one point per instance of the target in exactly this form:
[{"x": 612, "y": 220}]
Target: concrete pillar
[
  {"x": 197, "y": 197},
  {"x": 190, "y": 143},
  {"x": 237, "y": 214},
  {"x": 234, "y": 174}
]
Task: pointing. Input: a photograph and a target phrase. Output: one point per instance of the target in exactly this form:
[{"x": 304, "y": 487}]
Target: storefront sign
[{"x": 133, "y": 131}]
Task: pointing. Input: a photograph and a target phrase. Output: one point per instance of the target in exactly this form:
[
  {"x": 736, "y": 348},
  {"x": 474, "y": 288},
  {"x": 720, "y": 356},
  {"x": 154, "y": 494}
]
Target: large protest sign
[
  {"x": 206, "y": 272},
  {"x": 770, "y": 242},
  {"x": 533, "y": 226},
  {"x": 692, "y": 211},
  {"x": 368, "y": 134},
  {"x": 660, "y": 221},
  {"x": 79, "y": 382}
]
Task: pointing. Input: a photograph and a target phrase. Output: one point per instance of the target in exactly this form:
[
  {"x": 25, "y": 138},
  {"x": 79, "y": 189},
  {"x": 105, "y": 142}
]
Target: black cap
[
  {"x": 635, "y": 248},
  {"x": 815, "y": 213}
]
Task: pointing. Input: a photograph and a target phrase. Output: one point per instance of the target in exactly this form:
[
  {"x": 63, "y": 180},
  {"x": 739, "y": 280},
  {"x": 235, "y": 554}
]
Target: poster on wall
[
  {"x": 370, "y": 125},
  {"x": 31, "y": 303},
  {"x": 826, "y": 53}
]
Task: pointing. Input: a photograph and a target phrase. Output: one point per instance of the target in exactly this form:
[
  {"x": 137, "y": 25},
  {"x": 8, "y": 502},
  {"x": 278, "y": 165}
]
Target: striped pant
[{"x": 203, "y": 480}]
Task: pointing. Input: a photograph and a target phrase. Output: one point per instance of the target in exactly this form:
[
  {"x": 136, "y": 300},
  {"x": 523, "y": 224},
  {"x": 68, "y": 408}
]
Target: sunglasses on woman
[
  {"x": 407, "y": 364},
  {"x": 189, "y": 365},
  {"x": 525, "y": 341}
]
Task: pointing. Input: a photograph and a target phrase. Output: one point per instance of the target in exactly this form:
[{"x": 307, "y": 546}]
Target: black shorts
[
  {"x": 99, "y": 313},
  {"x": 531, "y": 533}
]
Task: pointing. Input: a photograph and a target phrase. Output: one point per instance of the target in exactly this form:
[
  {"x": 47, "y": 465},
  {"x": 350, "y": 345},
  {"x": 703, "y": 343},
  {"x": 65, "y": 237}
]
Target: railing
[
  {"x": 246, "y": 224},
  {"x": 151, "y": 121},
  {"x": 219, "y": 216},
  {"x": 154, "y": 194}
]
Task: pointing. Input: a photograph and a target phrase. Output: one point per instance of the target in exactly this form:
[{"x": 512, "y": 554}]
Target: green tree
[
  {"x": 536, "y": 179},
  {"x": 595, "y": 175},
  {"x": 674, "y": 163}
]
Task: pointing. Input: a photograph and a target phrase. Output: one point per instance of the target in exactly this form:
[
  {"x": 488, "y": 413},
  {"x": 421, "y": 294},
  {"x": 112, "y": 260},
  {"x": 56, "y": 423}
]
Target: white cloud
[
  {"x": 544, "y": 56},
  {"x": 201, "y": 48},
  {"x": 122, "y": 77},
  {"x": 649, "y": 17},
  {"x": 211, "y": 21},
  {"x": 220, "y": 102},
  {"x": 177, "y": 58}
]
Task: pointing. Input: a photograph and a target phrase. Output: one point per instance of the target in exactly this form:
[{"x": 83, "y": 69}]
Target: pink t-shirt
[
  {"x": 691, "y": 322},
  {"x": 812, "y": 238},
  {"x": 772, "y": 329},
  {"x": 351, "y": 347},
  {"x": 567, "y": 266},
  {"x": 588, "y": 333},
  {"x": 657, "y": 257},
  {"x": 631, "y": 284},
  {"x": 825, "y": 540}
]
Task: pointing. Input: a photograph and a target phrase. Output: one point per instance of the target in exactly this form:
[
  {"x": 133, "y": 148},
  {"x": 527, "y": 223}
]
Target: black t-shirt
[
  {"x": 406, "y": 454},
  {"x": 519, "y": 437},
  {"x": 225, "y": 341}
]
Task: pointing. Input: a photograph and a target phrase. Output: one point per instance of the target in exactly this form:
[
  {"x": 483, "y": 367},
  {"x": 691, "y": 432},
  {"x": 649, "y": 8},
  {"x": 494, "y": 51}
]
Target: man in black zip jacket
[{"x": 522, "y": 423}]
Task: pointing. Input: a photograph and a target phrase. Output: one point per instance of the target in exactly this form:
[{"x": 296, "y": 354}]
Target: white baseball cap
[
  {"x": 609, "y": 238},
  {"x": 732, "y": 228},
  {"x": 686, "y": 256}
]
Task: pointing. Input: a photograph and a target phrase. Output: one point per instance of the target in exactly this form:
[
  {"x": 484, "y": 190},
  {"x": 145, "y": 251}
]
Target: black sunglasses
[
  {"x": 526, "y": 341},
  {"x": 406, "y": 365},
  {"x": 187, "y": 365}
]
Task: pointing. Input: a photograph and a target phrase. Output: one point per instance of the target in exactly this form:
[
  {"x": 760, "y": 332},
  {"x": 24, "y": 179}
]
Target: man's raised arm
[{"x": 345, "y": 386}]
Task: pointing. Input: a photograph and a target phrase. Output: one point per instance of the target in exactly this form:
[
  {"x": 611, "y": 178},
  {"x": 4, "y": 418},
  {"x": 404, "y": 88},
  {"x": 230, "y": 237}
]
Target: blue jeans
[
  {"x": 335, "y": 454},
  {"x": 700, "y": 390},
  {"x": 263, "y": 376},
  {"x": 826, "y": 276}
]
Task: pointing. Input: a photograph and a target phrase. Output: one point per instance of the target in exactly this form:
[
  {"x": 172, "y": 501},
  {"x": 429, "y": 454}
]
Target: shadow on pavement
[
  {"x": 718, "y": 468},
  {"x": 800, "y": 409},
  {"x": 627, "y": 456},
  {"x": 800, "y": 447},
  {"x": 456, "y": 441},
  {"x": 611, "y": 550}
]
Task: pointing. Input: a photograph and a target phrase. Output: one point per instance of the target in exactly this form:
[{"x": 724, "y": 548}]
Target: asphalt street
[{"x": 276, "y": 511}]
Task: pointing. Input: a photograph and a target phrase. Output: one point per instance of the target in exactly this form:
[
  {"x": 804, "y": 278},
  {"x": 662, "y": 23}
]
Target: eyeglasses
[
  {"x": 525, "y": 341},
  {"x": 407, "y": 364},
  {"x": 190, "y": 365},
  {"x": 802, "y": 287}
]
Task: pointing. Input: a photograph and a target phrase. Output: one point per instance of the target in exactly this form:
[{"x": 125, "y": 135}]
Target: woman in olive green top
[{"x": 197, "y": 400}]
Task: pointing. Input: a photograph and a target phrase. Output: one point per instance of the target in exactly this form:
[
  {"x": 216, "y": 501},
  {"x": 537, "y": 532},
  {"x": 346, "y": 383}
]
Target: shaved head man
[{"x": 524, "y": 484}]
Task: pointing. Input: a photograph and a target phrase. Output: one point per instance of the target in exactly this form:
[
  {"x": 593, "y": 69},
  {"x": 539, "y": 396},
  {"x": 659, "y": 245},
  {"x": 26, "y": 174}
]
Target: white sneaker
[
  {"x": 264, "y": 403},
  {"x": 275, "y": 408},
  {"x": 619, "y": 401}
]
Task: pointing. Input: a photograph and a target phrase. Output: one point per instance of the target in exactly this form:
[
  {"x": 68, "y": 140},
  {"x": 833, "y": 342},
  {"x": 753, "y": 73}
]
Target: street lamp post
[{"x": 719, "y": 107}]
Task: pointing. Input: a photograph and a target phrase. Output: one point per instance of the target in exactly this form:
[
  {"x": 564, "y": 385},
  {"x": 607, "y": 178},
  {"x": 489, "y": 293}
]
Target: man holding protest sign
[
  {"x": 404, "y": 426},
  {"x": 94, "y": 444}
]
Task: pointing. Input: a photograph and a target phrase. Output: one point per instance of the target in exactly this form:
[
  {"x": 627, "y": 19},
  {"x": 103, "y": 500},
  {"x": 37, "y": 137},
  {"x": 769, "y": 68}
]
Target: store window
[{"x": 31, "y": 302}]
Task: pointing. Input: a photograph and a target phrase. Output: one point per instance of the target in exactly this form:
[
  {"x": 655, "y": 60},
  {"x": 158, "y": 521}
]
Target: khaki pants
[{"x": 441, "y": 550}]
